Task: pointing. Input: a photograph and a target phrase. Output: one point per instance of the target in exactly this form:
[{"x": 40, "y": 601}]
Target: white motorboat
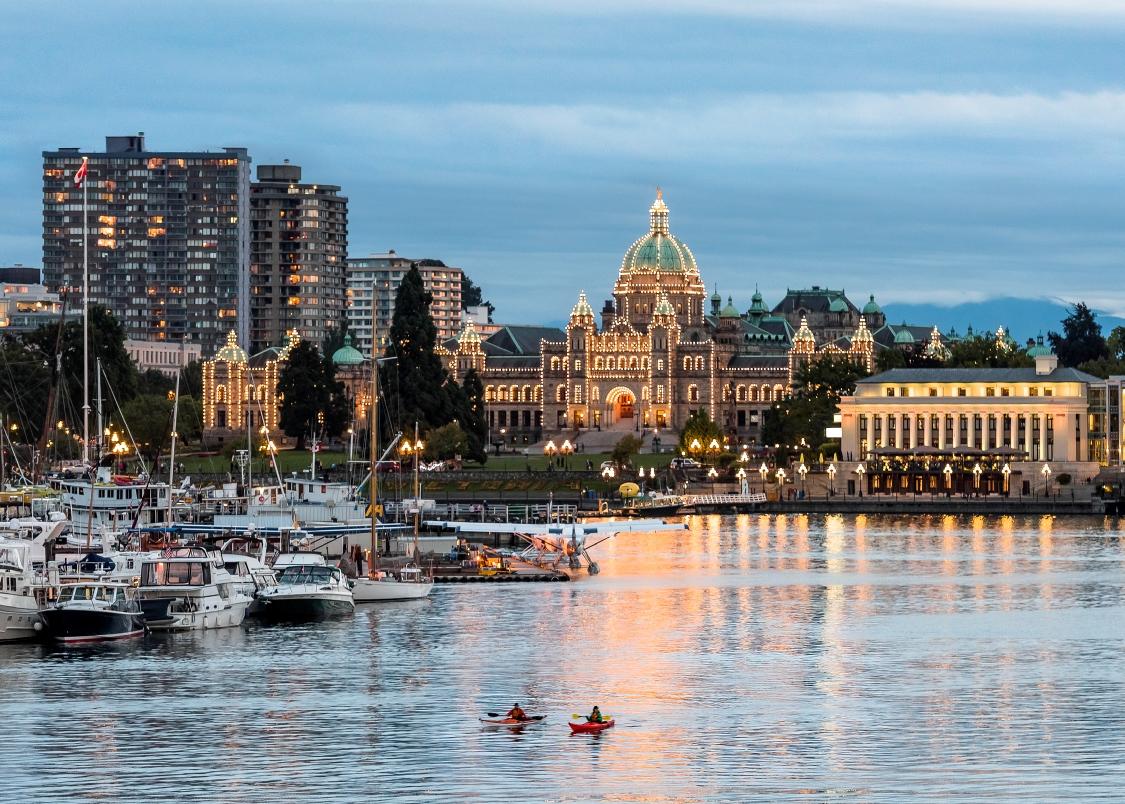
[
  {"x": 94, "y": 611},
  {"x": 251, "y": 576},
  {"x": 409, "y": 583},
  {"x": 189, "y": 589},
  {"x": 19, "y": 608},
  {"x": 307, "y": 589}
]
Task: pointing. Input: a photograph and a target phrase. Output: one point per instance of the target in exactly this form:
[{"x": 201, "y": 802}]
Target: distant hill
[{"x": 1023, "y": 318}]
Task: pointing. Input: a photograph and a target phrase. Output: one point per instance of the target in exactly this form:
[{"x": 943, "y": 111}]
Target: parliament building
[{"x": 660, "y": 349}]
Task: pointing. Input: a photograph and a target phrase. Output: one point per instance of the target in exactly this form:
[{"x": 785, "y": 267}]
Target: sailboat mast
[
  {"x": 85, "y": 329},
  {"x": 373, "y": 480},
  {"x": 97, "y": 457},
  {"x": 172, "y": 459}
]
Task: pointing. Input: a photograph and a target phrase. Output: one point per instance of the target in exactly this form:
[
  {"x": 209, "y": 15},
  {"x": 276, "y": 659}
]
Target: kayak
[
  {"x": 512, "y": 722},
  {"x": 591, "y": 728}
]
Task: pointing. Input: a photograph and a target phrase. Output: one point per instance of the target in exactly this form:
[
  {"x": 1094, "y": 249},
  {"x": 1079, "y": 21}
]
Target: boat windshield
[
  {"x": 175, "y": 573},
  {"x": 87, "y": 592},
  {"x": 306, "y": 574}
]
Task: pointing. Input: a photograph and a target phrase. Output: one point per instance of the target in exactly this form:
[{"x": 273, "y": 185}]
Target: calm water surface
[{"x": 747, "y": 658}]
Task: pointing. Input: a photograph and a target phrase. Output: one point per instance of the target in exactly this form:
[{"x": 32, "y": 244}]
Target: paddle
[
  {"x": 605, "y": 717},
  {"x": 497, "y": 714}
]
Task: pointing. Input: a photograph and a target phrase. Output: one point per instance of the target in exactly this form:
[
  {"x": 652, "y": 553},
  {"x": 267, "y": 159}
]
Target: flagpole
[{"x": 85, "y": 323}]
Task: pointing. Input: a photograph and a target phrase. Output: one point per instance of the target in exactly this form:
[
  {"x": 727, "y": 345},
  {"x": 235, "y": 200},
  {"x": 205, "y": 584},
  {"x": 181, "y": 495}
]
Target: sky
[{"x": 932, "y": 152}]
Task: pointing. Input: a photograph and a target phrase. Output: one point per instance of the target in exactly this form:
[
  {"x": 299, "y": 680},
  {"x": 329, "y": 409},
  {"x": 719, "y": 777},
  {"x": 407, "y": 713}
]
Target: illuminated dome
[
  {"x": 231, "y": 352},
  {"x": 469, "y": 335},
  {"x": 659, "y": 250},
  {"x": 347, "y": 355}
]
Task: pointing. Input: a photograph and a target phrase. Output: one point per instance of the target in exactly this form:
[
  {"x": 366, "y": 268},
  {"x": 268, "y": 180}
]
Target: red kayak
[
  {"x": 512, "y": 723},
  {"x": 591, "y": 728}
]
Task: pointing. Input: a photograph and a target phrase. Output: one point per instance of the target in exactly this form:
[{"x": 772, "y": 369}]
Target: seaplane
[{"x": 562, "y": 546}]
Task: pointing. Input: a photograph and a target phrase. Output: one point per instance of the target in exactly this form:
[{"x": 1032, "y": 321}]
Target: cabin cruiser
[
  {"x": 189, "y": 589},
  {"x": 19, "y": 608},
  {"x": 111, "y": 504},
  {"x": 408, "y": 583},
  {"x": 307, "y": 589},
  {"x": 94, "y": 611}
]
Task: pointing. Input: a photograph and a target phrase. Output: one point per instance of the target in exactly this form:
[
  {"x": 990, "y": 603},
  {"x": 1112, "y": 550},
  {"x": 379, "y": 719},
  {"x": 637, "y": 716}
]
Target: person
[
  {"x": 515, "y": 713},
  {"x": 595, "y": 716}
]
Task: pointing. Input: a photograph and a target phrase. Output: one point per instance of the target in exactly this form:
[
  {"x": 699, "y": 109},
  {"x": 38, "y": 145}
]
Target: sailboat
[{"x": 410, "y": 583}]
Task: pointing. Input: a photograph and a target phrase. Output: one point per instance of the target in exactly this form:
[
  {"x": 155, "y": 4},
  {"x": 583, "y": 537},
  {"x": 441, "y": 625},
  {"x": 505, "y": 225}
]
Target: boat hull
[
  {"x": 280, "y": 608},
  {"x": 167, "y": 614},
  {"x": 86, "y": 625},
  {"x": 367, "y": 590},
  {"x": 590, "y": 728},
  {"x": 18, "y": 622}
]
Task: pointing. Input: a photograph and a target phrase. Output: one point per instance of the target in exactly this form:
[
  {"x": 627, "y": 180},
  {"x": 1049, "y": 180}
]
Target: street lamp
[
  {"x": 802, "y": 470},
  {"x": 861, "y": 470},
  {"x": 1006, "y": 471},
  {"x": 831, "y": 480},
  {"x": 780, "y": 478},
  {"x": 741, "y": 475},
  {"x": 763, "y": 470},
  {"x": 976, "y": 476},
  {"x": 948, "y": 472},
  {"x": 1046, "y": 472},
  {"x": 566, "y": 449}
]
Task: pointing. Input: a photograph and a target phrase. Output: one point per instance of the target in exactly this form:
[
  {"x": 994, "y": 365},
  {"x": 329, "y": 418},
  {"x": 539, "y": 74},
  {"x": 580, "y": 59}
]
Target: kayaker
[
  {"x": 595, "y": 716},
  {"x": 515, "y": 713}
]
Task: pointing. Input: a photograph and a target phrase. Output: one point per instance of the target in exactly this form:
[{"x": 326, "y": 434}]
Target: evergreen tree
[
  {"x": 701, "y": 426},
  {"x": 473, "y": 417},
  {"x": 984, "y": 351},
  {"x": 1081, "y": 339},
  {"x": 25, "y": 379},
  {"x": 309, "y": 391},
  {"x": 804, "y": 416},
  {"x": 472, "y": 296},
  {"x": 418, "y": 388}
]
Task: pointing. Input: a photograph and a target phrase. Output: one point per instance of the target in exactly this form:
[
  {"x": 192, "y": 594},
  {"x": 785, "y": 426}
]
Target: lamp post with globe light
[
  {"x": 763, "y": 470},
  {"x": 861, "y": 470},
  {"x": 831, "y": 480},
  {"x": 1046, "y": 472}
]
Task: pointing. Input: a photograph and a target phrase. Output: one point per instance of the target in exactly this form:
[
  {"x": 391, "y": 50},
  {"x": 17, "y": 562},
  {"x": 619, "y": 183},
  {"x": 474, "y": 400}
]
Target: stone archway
[{"x": 621, "y": 407}]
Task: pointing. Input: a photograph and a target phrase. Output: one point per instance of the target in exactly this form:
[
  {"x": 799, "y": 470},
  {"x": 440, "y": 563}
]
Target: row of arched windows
[
  {"x": 621, "y": 364},
  {"x": 693, "y": 364},
  {"x": 259, "y": 394}
]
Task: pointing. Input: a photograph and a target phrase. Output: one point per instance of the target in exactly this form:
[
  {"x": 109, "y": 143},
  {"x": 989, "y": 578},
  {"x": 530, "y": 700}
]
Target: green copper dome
[
  {"x": 231, "y": 351},
  {"x": 659, "y": 250},
  {"x": 730, "y": 311},
  {"x": 871, "y": 308},
  {"x": 1040, "y": 349},
  {"x": 347, "y": 355},
  {"x": 838, "y": 305},
  {"x": 903, "y": 335}
]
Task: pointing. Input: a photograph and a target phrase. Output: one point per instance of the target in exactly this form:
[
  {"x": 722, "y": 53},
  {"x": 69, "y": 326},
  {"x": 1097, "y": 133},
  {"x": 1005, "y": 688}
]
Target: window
[
  {"x": 660, "y": 365},
  {"x": 693, "y": 393},
  {"x": 560, "y": 393},
  {"x": 577, "y": 365},
  {"x": 1033, "y": 391},
  {"x": 904, "y": 392},
  {"x": 990, "y": 391},
  {"x": 599, "y": 363},
  {"x": 699, "y": 364},
  {"x": 890, "y": 392},
  {"x": 611, "y": 363},
  {"x": 933, "y": 392},
  {"x": 961, "y": 392},
  {"x": 687, "y": 364}
]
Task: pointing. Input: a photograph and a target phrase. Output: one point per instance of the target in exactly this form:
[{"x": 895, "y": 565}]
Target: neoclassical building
[
  {"x": 240, "y": 390},
  {"x": 658, "y": 352}
]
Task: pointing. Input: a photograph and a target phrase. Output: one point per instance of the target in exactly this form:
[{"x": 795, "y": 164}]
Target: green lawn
[
  {"x": 287, "y": 461},
  {"x": 577, "y": 462}
]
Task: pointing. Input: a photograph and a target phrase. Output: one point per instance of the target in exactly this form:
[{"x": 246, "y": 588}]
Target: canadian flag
[{"x": 80, "y": 174}]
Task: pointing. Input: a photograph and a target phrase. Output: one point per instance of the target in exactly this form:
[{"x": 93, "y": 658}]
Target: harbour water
[{"x": 746, "y": 658}]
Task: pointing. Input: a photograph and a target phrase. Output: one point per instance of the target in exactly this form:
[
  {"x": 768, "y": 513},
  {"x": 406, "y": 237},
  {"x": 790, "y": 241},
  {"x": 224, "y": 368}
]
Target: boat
[
  {"x": 512, "y": 723},
  {"x": 251, "y": 576},
  {"x": 409, "y": 583},
  {"x": 189, "y": 589},
  {"x": 19, "y": 607},
  {"x": 307, "y": 589},
  {"x": 93, "y": 611},
  {"x": 591, "y": 728}
]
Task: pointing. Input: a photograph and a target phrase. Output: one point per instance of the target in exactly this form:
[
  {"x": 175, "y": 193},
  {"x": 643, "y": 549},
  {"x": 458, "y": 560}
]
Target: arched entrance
[{"x": 620, "y": 407}]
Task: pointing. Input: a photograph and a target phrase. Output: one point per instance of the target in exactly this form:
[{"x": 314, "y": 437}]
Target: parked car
[{"x": 685, "y": 463}]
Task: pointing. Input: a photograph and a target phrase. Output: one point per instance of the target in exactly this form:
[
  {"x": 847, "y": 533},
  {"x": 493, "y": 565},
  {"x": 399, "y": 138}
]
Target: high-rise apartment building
[
  {"x": 299, "y": 248},
  {"x": 373, "y": 285},
  {"x": 168, "y": 237}
]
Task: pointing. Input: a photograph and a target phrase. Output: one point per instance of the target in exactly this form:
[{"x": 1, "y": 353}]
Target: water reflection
[{"x": 748, "y": 657}]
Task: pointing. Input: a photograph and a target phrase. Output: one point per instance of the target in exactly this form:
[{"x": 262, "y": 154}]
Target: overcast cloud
[{"x": 932, "y": 150}]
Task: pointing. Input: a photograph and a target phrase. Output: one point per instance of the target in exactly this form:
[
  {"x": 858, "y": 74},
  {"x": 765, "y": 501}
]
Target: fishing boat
[
  {"x": 93, "y": 611},
  {"x": 189, "y": 589},
  {"x": 19, "y": 608},
  {"x": 307, "y": 589}
]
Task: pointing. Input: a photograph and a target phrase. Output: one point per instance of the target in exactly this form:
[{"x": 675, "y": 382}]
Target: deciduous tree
[{"x": 1081, "y": 339}]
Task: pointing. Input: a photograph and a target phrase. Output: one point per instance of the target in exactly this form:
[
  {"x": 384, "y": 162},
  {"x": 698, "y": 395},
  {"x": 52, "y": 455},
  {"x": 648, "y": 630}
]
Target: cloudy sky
[{"x": 934, "y": 151}]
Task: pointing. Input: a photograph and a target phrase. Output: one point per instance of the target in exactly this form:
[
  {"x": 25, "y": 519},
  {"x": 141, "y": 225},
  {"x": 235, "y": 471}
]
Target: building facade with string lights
[
  {"x": 656, "y": 351},
  {"x": 240, "y": 390}
]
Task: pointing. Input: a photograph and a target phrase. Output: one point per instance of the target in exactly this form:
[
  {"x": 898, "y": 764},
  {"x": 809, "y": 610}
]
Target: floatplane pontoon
[{"x": 562, "y": 546}]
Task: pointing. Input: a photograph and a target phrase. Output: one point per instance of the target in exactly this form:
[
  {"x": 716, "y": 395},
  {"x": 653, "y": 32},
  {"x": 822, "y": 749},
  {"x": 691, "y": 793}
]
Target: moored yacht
[
  {"x": 188, "y": 589},
  {"x": 19, "y": 609},
  {"x": 307, "y": 589},
  {"x": 93, "y": 611}
]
